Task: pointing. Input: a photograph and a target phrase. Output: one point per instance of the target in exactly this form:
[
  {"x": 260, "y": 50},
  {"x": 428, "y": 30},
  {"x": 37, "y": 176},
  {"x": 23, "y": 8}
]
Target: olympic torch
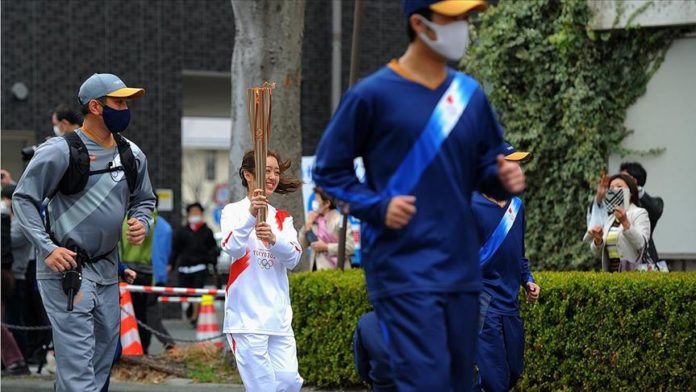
[{"x": 259, "y": 105}]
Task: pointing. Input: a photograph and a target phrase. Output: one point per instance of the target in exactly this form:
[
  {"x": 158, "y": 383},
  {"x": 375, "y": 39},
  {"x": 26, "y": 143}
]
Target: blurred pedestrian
[
  {"x": 141, "y": 259},
  {"x": 12, "y": 358},
  {"x": 321, "y": 233},
  {"x": 428, "y": 138},
  {"x": 6, "y": 178},
  {"x": 22, "y": 252},
  {"x": 194, "y": 247},
  {"x": 65, "y": 120},
  {"x": 501, "y": 225}
]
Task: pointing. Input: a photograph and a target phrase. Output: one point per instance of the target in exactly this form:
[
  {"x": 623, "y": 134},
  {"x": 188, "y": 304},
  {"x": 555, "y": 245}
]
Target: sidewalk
[
  {"x": 32, "y": 384},
  {"x": 24, "y": 384}
]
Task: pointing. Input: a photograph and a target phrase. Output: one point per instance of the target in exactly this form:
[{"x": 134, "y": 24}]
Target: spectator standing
[
  {"x": 141, "y": 259},
  {"x": 22, "y": 252},
  {"x": 653, "y": 204},
  {"x": 194, "y": 247},
  {"x": 322, "y": 231},
  {"x": 65, "y": 120},
  {"x": 11, "y": 355},
  {"x": 623, "y": 238}
]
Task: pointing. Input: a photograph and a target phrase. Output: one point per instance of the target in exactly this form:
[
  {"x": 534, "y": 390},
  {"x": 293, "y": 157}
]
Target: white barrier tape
[
  {"x": 173, "y": 290},
  {"x": 179, "y": 299}
]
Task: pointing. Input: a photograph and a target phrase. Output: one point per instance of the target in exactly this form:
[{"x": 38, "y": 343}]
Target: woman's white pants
[{"x": 267, "y": 363}]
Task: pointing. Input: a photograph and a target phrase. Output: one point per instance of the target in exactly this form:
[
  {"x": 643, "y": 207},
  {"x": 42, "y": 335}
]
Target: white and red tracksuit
[{"x": 258, "y": 314}]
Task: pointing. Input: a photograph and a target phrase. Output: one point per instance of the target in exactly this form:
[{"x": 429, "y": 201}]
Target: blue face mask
[{"x": 116, "y": 120}]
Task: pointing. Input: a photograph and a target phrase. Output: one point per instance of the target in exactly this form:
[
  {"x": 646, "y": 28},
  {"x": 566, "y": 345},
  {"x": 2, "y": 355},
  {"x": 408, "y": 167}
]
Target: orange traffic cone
[
  {"x": 207, "y": 321},
  {"x": 130, "y": 338}
]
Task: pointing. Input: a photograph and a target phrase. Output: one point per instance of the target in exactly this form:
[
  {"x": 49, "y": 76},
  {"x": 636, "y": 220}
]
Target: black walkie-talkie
[{"x": 72, "y": 281}]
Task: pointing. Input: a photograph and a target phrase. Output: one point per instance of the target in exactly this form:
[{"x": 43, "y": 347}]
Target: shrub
[{"x": 589, "y": 331}]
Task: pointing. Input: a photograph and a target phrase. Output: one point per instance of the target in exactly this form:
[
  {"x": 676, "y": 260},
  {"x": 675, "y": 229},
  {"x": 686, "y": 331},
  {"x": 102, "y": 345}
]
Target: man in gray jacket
[{"x": 85, "y": 228}]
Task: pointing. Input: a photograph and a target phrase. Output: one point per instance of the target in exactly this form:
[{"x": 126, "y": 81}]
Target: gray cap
[{"x": 106, "y": 85}]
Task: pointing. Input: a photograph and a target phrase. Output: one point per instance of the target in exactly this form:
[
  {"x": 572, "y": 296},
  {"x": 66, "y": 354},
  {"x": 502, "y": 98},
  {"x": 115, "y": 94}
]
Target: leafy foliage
[
  {"x": 561, "y": 91},
  {"x": 327, "y": 306},
  {"x": 589, "y": 331}
]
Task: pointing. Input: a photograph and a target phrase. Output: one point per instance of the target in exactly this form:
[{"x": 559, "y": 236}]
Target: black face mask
[{"x": 116, "y": 120}]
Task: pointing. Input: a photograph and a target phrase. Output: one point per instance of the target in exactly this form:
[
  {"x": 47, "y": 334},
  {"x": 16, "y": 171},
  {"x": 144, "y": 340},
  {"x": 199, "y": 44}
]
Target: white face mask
[
  {"x": 57, "y": 131},
  {"x": 451, "y": 39},
  {"x": 315, "y": 206},
  {"x": 195, "y": 219}
]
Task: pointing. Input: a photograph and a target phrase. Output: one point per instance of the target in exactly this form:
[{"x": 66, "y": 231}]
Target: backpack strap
[
  {"x": 130, "y": 166},
  {"x": 77, "y": 174},
  {"x": 75, "y": 178}
]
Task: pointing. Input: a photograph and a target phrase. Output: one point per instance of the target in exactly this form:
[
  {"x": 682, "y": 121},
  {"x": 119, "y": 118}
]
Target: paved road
[
  {"x": 12, "y": 384},
  {"x": 9, "y": 384},
  {"x": 178, "y": 329},
  {"x": 182, "y": 329}
]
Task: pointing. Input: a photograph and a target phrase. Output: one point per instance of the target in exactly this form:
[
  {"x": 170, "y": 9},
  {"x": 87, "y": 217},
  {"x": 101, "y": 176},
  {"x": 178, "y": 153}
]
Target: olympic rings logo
[{"x": 265, "y": 263}]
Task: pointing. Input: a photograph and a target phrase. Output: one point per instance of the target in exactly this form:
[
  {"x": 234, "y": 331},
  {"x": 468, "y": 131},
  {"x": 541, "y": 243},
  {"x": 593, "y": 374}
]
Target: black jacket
[
  {"x": 7, "y": 282},
  {"x": 193, "y": 247},
  {"x": 655, "y": 207},
  {"x": 7, "y": 258}
]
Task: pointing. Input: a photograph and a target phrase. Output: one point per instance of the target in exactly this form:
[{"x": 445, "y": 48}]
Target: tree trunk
[{"x": 268, "y": 47}]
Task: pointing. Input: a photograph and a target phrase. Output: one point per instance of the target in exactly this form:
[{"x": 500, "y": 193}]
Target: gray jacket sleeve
[
  {"x": 142, "y": 201},
  {"x": 39, "y": 181},
  {"x": 19, "y": 239}
]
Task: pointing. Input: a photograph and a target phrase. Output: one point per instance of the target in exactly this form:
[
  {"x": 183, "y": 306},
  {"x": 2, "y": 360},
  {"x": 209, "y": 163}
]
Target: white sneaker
[{"x": 50, "y": 365}]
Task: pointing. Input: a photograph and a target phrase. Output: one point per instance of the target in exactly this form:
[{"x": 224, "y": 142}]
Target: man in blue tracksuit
[
  {"x": 371, "y": 355},
  {"x": 428, "y": 138},
  {"x": 501, "y": 227}
]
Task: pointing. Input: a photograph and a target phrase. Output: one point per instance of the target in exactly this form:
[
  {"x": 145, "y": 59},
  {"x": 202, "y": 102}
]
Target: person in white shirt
[{"x": 258, "y": 315}]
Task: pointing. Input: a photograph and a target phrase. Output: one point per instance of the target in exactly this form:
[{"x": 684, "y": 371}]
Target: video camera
[{"x": 28, "y": 152}]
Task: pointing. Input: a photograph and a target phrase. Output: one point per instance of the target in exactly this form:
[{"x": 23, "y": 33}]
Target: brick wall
[{"x": 54, "y": 45}]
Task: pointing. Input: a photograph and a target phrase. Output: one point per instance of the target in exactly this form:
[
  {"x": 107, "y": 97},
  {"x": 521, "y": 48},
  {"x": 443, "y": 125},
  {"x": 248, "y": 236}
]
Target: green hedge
[{"x": 589, "y": 331}]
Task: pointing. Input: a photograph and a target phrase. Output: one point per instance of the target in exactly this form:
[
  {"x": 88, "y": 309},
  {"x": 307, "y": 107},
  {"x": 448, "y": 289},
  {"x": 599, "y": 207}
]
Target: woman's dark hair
[
  {"x": 63, "y": 112},
  {"x": 194, "y": 205},
  {"x": 285, "y": 184},
  {"x": 631, "y": 186},
  {"x": 427, "y": 13},
  {"x": 325, "y": 196}
]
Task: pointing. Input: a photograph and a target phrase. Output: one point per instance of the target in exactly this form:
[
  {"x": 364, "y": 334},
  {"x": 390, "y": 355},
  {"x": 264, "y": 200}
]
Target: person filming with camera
[{"x": 622, "y": 240}]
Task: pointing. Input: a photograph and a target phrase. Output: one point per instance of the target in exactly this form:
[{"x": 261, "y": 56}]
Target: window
[{"x": 210, "y": 165}]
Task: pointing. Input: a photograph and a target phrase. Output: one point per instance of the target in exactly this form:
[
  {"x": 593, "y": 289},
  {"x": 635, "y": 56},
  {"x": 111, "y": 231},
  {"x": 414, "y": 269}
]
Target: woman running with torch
[{"x": 263, "y": 243}]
